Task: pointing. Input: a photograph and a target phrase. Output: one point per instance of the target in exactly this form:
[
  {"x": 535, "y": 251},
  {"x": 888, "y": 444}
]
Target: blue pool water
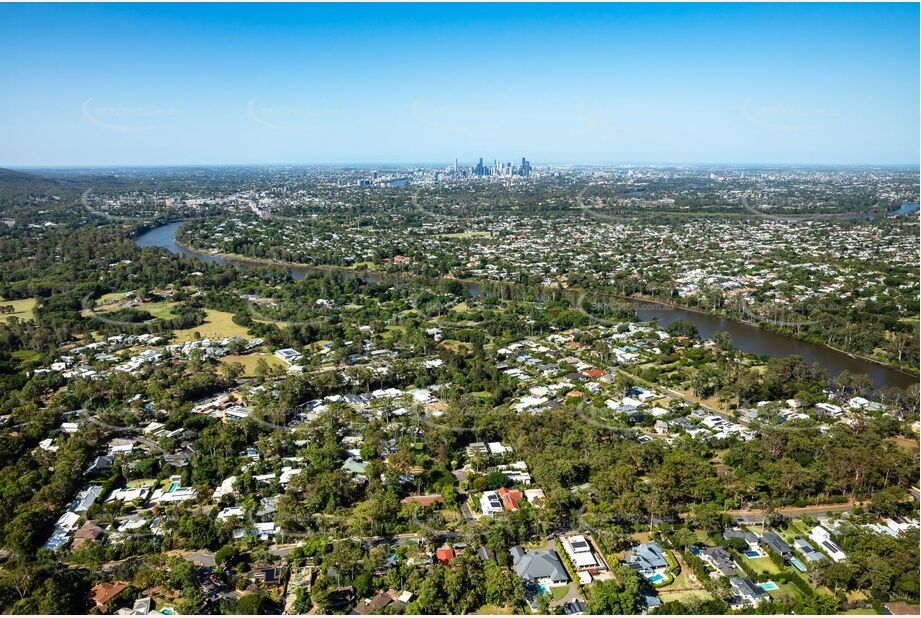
[
  {"x": 172, "y": 488},
  {"x": 655, "y": 578},
  {"x": 751, "y": 553},
  {"x": 768, "y": 586},
  {"x": 796, "y": 562}
]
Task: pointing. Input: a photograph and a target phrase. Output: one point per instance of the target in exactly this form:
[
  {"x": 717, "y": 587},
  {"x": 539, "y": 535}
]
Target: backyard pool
[
  {"x": 798, "y": 564},
  {"x": 655, "y": 578},
  {"x": 172, "y": 487},
  {"x": 752, "y": 553},
  {"x": 768, "y": 586}
]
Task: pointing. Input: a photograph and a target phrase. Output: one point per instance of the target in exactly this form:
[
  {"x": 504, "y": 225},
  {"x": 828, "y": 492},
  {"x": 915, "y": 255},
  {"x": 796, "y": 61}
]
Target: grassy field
[
  {"x": 249, "y": 361},
  {"x": 24, "y": 309},
  {"x": 141, "y": 483},
  {"x": 786, "y": 589},
  {"x": 278, "y": 323},
  {"x": 494, "y": 609},
  {"x": 217, "y": 325},
  {"x": 684, "y": 595},
  {"x": 558, "y": 592},
  {"x": 25, "y": 356},
  {"x": 160, "y": 309},
  {"x": 115, "y": 301},
  {"x": 761, "y": 565}
]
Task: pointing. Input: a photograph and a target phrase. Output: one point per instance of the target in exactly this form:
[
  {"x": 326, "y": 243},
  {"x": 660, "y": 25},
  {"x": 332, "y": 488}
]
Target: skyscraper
[{"x": 525, "y": 167}]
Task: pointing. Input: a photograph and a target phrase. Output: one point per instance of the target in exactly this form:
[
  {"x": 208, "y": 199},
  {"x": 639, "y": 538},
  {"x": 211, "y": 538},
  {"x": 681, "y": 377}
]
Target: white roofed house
[
  {"x": 490, "y": 503},
  {"x": 231, "y": 511},
  {"x": 288, "y": 355},
  {"x": 582, "y": 554},
  {"x": 129, "y": 494},
  {"x": 224, "y": 489},
  {"x": 173, "y": 492},
  {"x": 822, "y": 538}
]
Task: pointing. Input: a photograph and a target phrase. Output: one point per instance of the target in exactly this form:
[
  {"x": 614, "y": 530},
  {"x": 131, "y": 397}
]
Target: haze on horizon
[{"x": 133, "y": 85}]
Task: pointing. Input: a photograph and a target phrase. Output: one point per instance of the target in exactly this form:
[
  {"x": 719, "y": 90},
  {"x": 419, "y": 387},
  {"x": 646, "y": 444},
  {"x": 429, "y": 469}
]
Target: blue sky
[{"x": 647, "y": 83}]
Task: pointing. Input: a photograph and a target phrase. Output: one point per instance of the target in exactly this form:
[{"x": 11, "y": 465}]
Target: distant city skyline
[{"x": 645, "y": 84}]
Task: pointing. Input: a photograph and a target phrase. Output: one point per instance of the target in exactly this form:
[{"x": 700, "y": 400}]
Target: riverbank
[
  {"x": 749, "y": 336},
  {"x": 755, "y": 324}
]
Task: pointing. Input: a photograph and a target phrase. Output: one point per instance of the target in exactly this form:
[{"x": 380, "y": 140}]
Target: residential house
[
  {"x": 541, "y": 567},
  {"x": 747, "y": 591},
  {"x": 101, "y": 594},
  {"x": 808, "y": 551},
  {"x": 490, "y": 503},
  {"x": 822, "y": 538},
  {"x": 647, "y": 558},
  {"x": 719, "y": 559},
  {"x": 582, "y": 555},
  {"x": 776, "y": 544},
  {"x": 749, "y": 537}
]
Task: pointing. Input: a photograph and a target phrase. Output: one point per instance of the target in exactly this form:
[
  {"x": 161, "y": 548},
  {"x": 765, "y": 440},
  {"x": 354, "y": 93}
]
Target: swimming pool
[
  {"x": 768, "y": 586},
  {"x": 753, "y": 553},
  {"x": 796, "y": 562},
  {"x": 172, "y": 487},
  {"x": 655, "y": 578}
]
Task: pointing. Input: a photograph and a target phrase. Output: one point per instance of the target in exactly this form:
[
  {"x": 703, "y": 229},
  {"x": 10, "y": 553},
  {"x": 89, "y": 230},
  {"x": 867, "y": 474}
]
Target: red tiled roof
[
  {"x": 104, "y": 592},
  {"x": 423, "y": 500},
  {"x": 444, "y": 555},
  {"x": 593, "y": 373},
  {"x": 510, "y": 498}
]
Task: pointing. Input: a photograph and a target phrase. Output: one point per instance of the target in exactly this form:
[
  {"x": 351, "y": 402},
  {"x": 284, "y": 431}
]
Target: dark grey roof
[
  {"x": 747, "y": 588},
  {"x": 539, "y": 565},
  {"x": 777, "y": 544},
  {"x": 749, "y": 537},
  {"x": 721, "y": 559}
]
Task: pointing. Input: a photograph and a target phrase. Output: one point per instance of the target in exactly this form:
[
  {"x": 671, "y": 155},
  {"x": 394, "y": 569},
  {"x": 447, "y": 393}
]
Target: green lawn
[
  {"x": 250, "y": 361},
  {"x": 494, "y": 609},
  {"x": 685, "y": 595},
  {"x": 115, "y": 301},
  {"x": 558, "y": 592},
  {"x": 761, "y": 565},
  {"x": 25, "y": 356},
  {"x": 24, "y": 309},
  {"x": 217, "y": 325},
  {"x": 160, "y": 309},
  {"x": 141, "y": 483}
]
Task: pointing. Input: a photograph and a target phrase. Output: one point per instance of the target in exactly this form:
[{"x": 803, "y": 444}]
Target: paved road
[{"x": 755, "y": 515}]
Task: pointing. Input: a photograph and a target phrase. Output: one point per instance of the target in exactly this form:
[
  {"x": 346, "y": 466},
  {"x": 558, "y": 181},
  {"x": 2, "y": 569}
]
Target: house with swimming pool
[
  {"x": 649, "y": 560},
  {"x": 173, "y": 493},
  {"x": 749, "y": 537},
  {"x": 747, "y": 592}
]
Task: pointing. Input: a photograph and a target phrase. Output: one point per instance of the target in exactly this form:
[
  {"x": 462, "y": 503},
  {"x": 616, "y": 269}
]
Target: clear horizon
[{"x": 109, "y": 86}]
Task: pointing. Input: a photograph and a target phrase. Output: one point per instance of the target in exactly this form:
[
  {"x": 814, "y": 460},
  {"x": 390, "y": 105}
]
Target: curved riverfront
[{"x": 745, "y": 337}]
